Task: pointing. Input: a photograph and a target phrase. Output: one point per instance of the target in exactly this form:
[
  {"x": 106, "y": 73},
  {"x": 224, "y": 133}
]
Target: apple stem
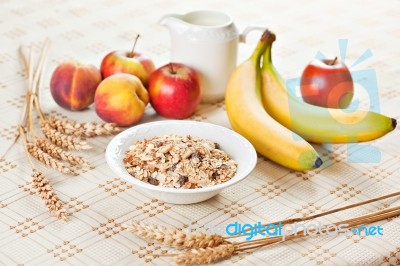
[
  {"x": 334, "y": 61},
  {"x": 172, "y": 68},
  {"x": 132, "y": 52}
]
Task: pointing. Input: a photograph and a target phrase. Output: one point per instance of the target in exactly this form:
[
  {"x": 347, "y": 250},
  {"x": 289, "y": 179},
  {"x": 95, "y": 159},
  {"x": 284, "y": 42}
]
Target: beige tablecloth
[{"x": 100, "y": 202}]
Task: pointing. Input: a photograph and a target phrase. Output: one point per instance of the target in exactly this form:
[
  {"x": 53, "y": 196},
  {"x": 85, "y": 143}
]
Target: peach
[
  {"x": 121, "y": 99},
  {"x": 73, "y": 85}
]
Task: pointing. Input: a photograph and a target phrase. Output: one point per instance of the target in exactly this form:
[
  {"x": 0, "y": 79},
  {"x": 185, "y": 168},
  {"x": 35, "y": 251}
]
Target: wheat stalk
[
  {"x": 62, "y": 140},
  {"x": 87, "y": 129},
  {"x": 59, "y": 153},
  {"x": 174, "y": 237},
  {"x": 224, "y": 251},
  {"x": 46, "y": 192},
  {"x": 209, "y": 254},
  {"x": 351, "y": 223},
  {"x": 46, "y": 159},
  {"x": 307, "y": 218},
  {"x": 205, "y": 255}
]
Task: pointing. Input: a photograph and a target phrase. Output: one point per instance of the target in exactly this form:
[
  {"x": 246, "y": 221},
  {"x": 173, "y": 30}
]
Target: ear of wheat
[
  {"x": 46, "y": 159},
  {"x": 61, "y": 134},
  {"x": 46, "y": 192},
  {"x": 59, "y": 153},
  {"x": 212, "y": 253},
  {"x": 205, "y": 255},
  {"x": 87, "y": 129},
  {"x": 174, "y": 237},
  {"x": 63, "y": 140}
]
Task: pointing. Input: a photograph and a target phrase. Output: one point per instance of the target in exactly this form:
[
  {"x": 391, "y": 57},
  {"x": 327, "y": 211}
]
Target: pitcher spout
[{"x": 169, "y": 20}]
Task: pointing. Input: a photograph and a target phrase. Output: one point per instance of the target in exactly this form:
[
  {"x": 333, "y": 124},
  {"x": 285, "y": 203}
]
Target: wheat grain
[
  {"x": 46, "y": 192},
  {"x": 59, "y": 153},
  {"x": 46, "y": 159},
  {"x": 87, "y": 129},
  {"x": 205, "y": 255},
  {"x": 174, "y": 237},
  {"x": 62, "y": 140}
]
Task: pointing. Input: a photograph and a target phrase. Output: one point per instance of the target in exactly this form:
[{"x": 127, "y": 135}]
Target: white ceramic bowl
[{"x": 234, "y": 144}]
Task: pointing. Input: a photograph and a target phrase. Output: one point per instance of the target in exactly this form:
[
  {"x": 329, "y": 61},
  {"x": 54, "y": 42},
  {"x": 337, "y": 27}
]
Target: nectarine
[
  {"x": 121, "y": 99},
  {"x": 73, "y": 85}
]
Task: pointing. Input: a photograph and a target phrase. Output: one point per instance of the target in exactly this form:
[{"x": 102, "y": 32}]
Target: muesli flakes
[{"x": 179, "y": 162}]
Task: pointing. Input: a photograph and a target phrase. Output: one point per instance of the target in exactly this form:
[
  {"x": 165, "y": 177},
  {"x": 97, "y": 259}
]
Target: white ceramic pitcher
[{"x": 207, "y": 41}]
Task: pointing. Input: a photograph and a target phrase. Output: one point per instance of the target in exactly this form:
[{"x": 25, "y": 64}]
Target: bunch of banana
[
  {"x": 314, "y": 123},
  {"x": 260, "y": 109},
  {"x": 248, "y": 117}
]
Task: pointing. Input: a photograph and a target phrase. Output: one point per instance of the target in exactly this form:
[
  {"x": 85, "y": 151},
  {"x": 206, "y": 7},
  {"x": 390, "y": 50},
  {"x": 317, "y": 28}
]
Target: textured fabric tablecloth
[{"x": 100, "y": 202}]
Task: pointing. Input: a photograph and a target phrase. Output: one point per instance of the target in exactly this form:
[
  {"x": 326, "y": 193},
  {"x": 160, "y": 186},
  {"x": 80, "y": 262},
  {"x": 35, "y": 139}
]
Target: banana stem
[
  {"x": 265, "y": 41},
  {"x": 267, "y": 57}
]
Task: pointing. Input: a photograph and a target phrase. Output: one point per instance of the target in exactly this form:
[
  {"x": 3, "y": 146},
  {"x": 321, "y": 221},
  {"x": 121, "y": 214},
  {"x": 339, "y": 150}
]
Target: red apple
[
  {"x": 130, "y": 62},
  {"x": 327, "y": 83},
  {"x": 175, "y": 90}
]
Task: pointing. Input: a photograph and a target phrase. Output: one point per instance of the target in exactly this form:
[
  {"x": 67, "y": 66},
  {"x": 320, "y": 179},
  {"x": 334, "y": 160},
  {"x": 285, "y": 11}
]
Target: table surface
[{"x": 100, "y": 202}]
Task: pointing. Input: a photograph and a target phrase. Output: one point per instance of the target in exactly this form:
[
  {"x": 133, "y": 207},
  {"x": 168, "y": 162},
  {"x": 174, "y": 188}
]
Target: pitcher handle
[{"x": 248, "y": 29}]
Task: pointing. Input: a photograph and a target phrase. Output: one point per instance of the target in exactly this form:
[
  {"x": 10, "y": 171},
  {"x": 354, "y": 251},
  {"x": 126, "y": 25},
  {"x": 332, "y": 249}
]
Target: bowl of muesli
[{"x": 180, "y": 162}]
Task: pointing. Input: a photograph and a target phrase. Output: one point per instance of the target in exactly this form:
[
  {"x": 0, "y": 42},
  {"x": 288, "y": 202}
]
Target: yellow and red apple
[
  {"x": 121, "y": 99},
  {"x": 327, "y": 83},
  {"x": 73, "y": 85},
  {"x": 175, "y": 90},
  {"x": 130, "y": 62}
]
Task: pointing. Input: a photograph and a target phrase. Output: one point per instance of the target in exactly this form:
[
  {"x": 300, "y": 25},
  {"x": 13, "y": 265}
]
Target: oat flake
[{"x": 179, "y": 162}]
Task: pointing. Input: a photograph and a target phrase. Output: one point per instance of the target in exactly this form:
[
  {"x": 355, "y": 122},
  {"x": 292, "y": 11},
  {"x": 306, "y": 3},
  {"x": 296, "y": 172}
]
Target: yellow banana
[
  {"x": 248, "y": 117},
  {"x": 313, "y": 123}
]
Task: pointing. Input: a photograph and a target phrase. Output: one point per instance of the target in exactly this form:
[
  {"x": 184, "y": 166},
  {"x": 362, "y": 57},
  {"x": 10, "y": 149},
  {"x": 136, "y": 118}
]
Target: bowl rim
[{"x": 252, "y": 160}]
